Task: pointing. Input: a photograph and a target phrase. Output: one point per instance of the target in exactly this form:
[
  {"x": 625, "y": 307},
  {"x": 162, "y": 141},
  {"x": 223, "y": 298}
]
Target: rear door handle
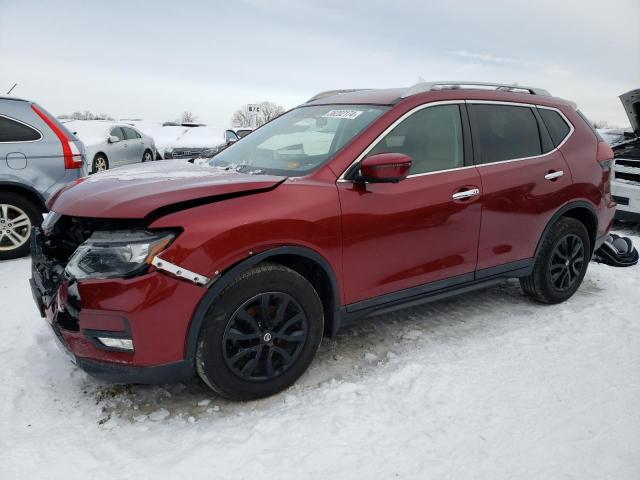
[
  {"x": 472, "y": 192},
  {"x": 554, "y": 175}
]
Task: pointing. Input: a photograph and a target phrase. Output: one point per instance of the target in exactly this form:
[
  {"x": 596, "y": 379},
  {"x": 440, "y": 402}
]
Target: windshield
[{"x": 299, "y": 141}]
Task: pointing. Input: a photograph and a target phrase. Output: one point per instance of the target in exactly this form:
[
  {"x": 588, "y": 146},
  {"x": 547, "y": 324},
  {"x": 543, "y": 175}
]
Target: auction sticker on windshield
[{"x": 348, "y": 114}]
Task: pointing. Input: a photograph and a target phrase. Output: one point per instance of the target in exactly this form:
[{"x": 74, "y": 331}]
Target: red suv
[{"x": 357, "y": 201}]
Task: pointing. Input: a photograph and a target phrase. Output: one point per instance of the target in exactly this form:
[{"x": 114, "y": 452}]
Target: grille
[
  {"x": 627, "y": 169},
  {"x": 192, "y": 152}
]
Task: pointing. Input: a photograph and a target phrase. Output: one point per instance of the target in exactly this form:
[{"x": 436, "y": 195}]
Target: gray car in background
[
  {"x": 38, "y": 155},
  {"x": 109, "y": 145}
]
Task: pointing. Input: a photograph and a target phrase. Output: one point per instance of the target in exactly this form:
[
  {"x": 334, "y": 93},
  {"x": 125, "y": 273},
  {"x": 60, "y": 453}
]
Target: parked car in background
[
  {"x": 625, "y": 185},
  {"x": 243, "y": 131},
  {"x": 38, "y": 155},
  {"x": 195, "y": 141},
  {"x": 164, "y": 134},
  {"x": 234, "y": 271},
  {"x": 109, "y": 145}
]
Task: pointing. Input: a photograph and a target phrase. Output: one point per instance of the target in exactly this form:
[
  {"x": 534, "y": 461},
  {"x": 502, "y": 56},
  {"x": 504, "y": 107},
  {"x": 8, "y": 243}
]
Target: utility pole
[{"x": 11, "y": 89}]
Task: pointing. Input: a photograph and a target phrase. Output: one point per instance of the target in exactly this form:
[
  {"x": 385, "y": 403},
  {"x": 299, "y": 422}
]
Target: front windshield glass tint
[{"x": 299, "y": 141}]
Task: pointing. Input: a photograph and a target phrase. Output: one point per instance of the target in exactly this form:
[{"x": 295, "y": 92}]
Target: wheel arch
[
  {"x": 580, "y": 210},
  {"x": 29, "y": 192},
  {"x": 307, "y": 262}
]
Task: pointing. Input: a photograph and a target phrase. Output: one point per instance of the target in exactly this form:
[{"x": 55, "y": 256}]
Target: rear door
[
  {"x": 399, "y": 237},
  {"x": 525, "y": 180}
]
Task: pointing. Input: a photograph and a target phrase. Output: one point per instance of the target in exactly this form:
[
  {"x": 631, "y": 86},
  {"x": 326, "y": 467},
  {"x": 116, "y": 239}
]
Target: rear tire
[
  {"x": 100, "y": 164},
  {"x": 147, "y": 156},
  {"x": 18, "y": 216},
  {"x": 561, "y": 263},
  {"x": 260, "y": 334}
]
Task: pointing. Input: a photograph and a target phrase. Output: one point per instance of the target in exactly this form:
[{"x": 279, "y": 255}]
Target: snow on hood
[
  {"x": 202, "y": 137},
  {"x": 138, "y": 190}
]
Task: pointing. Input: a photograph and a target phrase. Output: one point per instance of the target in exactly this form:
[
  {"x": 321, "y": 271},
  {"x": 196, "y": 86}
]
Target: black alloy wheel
[
  {"x": 567, "y": 262},
  {"x": 265, "y": 336}
]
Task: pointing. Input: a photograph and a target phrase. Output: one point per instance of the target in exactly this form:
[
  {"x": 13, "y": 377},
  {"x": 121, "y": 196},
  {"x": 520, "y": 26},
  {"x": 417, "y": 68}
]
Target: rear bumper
[{"x": 627, "y": 196}]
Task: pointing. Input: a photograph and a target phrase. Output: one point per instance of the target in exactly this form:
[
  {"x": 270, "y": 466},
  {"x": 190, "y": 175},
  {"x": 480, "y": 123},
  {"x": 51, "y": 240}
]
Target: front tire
[
  {"x": 18, "y": 216},
  {"x": 260, "y": 334},
  {"x": 561, "y": 263},
  {"x": 100, "y": 164}
]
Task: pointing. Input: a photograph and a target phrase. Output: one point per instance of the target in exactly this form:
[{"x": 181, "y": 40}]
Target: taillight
[
  {"x": 72, "y": 156},
  {"x": 604, "y": 155}
]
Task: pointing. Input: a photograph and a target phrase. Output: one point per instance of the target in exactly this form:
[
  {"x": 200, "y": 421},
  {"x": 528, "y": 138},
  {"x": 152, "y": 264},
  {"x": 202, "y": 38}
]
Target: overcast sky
[{"x": 155, "y": 59}]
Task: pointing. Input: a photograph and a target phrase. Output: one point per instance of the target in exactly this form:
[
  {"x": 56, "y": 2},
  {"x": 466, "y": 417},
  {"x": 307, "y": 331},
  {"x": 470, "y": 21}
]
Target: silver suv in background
[{"x": 38, "y": 155}]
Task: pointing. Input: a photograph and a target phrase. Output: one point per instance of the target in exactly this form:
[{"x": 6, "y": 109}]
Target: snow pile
[{"x": 486, "y": 385}]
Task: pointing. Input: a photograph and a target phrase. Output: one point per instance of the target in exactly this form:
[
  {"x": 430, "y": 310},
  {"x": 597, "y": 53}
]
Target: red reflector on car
[{"x": 72, "y": 156}]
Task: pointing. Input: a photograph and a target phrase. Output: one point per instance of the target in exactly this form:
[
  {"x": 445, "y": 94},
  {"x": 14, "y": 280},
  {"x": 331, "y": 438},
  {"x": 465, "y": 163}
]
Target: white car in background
[
  {"x": 198, "y": 140},
  {"x": 109, "y": 145},
  {"x": 242, "y": 132},
  {"x": 164, "y": 135}
]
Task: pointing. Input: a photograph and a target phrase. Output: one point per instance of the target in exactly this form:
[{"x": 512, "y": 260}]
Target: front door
[{"x": 397, "y": 236}]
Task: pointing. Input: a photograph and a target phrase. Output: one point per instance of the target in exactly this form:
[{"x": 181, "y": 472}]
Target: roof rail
[
  {"x": 330, "y": 93},
  {"x": 430, "y": 86}
]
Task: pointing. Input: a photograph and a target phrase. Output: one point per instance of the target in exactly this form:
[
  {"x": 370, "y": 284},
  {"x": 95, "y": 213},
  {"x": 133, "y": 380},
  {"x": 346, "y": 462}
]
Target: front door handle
[
  {"x": 553, "y": 175},
  {"x": 472, "y": 192}
]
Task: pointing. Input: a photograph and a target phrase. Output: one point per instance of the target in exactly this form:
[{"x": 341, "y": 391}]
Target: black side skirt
[{"x": 436, "y": 290}]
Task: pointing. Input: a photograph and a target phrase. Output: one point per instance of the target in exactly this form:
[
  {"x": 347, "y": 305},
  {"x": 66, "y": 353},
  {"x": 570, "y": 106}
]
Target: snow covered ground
[{"x": 487, "y": 385}]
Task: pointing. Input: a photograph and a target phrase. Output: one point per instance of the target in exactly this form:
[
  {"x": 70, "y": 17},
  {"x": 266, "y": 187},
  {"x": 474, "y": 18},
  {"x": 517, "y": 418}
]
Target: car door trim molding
[
  {"x": 395, "y": 123},
  {"x": 26, "y": 125},
  {"x": 528, "y": 105}
]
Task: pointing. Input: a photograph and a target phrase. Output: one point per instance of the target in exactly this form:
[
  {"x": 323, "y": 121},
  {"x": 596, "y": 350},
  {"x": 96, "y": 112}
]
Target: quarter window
[
  {"x": 504, "y": 132},
  {"x": 432, "y": 137},
  {"x": 557, "y": 127},
  {"x": 12, "y": 131}
]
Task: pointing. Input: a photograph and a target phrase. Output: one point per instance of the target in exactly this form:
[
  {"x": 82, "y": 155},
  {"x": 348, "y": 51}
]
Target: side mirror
[
  {"x": 384, "y": 168},
  {"x": 113, "y": 139}
]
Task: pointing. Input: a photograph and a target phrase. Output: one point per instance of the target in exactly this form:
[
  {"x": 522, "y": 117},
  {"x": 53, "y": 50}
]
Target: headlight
[{"x": 117, "y": 254}]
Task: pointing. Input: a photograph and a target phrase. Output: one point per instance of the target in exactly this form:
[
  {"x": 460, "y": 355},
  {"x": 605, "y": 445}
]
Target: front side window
[
  {"x": 117, "y": 132},
  {"x": 504, "y": 132},
  {"x": 130, "y": 133},
  {"x": 13, "y": 131},
  {"x": 299, "y": 141},
  {"x": 432, "y": 137}
]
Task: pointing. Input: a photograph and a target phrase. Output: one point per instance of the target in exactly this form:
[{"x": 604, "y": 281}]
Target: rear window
[
  {"x": 504, "y": 132},
  {"x": 556, "y": 125},
  {"x": 14, "y": 131},
  {"x": 130, "y": 133}
]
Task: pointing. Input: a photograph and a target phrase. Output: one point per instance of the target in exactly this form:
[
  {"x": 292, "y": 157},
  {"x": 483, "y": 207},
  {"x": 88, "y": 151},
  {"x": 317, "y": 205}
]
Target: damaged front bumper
[{"x": 143, "y": 309}]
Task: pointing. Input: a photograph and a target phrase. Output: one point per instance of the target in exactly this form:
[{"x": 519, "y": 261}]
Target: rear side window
[
  {"x": 504, "y": 132},
  {"x": 432, "y": 137},
  {"x": 13, "y": 131},
  {"x": 556, "y": 125}
]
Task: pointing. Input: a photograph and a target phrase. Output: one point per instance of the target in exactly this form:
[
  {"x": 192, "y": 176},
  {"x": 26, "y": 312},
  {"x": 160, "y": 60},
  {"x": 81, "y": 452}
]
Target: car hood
[
  {"x": 631, "y": 103},
  {"x": 137, "y": 191}
]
